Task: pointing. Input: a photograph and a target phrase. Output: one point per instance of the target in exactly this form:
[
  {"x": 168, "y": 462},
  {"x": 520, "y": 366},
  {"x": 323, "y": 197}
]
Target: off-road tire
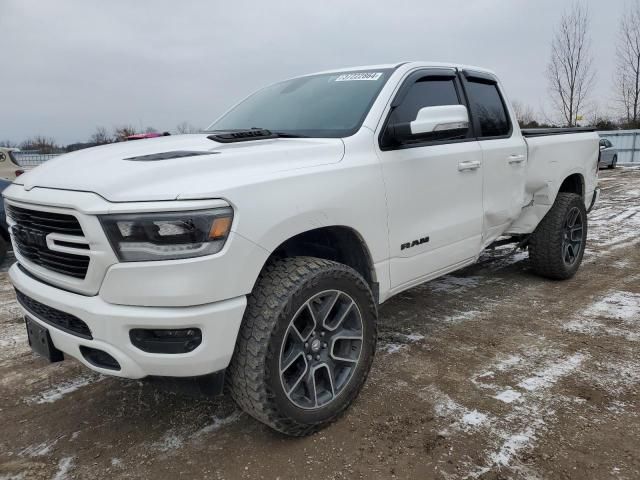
[
  {"x": 3, "y": 249},
  {"x": 254, "y": 375},
  {"x": 546, "y": 242}
]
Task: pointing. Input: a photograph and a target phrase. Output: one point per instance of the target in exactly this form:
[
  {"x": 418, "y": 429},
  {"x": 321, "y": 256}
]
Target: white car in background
[
  {"x": 9, "y": 167},
  {"x": 262, "y": 254},
  {"x": 608, "y": 154}
]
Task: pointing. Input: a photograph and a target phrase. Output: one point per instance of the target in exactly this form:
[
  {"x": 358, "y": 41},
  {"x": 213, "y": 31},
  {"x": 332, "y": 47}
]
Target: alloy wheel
[
  {"x": 572, "y": 236},
  {"x": 321, "y": 349}
]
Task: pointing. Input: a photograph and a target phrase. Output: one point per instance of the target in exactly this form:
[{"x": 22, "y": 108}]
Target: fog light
[{"x": 173, "y": 341}]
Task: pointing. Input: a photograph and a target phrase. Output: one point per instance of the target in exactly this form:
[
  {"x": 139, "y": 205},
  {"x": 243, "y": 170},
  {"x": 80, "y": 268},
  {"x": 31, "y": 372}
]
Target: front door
[{"x": 434, "y": 185}]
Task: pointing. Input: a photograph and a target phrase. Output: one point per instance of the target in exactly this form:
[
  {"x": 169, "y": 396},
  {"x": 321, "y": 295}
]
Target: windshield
[{"x": 326, "y": 105}]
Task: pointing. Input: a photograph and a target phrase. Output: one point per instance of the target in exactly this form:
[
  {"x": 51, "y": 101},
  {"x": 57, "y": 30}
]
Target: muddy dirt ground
[{"x": 489, "y": 373}]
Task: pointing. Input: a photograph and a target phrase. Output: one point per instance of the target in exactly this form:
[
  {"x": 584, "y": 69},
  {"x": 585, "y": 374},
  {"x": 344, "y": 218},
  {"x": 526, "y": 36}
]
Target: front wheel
[
  {"x": 556, "y": 247},
  {"x": 305, "y": 346}
]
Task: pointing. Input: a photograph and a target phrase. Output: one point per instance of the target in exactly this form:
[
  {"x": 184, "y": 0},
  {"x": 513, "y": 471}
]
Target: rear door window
[{"x": 488, "y": 109}]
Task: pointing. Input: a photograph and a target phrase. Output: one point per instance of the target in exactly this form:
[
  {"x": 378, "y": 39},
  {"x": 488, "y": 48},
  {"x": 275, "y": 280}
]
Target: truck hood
[{"x": 176, "y": 167}]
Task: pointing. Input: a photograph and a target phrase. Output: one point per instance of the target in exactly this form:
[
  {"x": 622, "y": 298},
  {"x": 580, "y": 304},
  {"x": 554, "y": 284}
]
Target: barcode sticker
[{"x": 350, "y": 77}]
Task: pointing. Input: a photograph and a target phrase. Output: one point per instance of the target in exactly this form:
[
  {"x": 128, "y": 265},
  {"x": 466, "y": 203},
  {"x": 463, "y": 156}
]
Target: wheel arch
[
  {"x": 573, "y": 183},
  {"x": 338, "y": 243}
]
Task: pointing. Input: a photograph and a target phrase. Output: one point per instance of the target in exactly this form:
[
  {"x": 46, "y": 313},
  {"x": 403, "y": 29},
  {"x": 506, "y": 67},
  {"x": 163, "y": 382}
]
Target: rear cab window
[{"x": 488, "y": 109}]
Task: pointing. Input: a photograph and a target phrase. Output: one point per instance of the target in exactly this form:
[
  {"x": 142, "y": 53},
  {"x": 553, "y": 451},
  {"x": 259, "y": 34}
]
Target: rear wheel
[
  {"x": 305, "y": 346},
  {"x": 557, "y": 245}
]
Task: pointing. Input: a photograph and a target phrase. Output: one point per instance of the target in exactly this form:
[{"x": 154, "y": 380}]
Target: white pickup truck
[{"x": 260, "y": 249}]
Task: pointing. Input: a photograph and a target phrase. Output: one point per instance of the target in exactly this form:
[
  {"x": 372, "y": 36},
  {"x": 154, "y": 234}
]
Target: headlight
[{"x": 167, "y": 236}]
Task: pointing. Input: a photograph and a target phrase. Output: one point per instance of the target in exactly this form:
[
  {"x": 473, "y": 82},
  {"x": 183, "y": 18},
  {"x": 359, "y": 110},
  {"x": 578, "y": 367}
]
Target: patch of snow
[
  {"x": 170, "y": 441},
  {"x": 64, "y": 388},
  {"x": 474, "y": 418},
  {"x": 219, "y": 423},
  {"x": 460, "y": 317},
  {"x": 414, "y": 337},
  {"x": 550, "y": 375},
  {"x": 511, "y": 446},
  {"x": 620, "y": 305},
  {"x": 508, "y": 362},
  {"x": 445, "y": 406},
  {"x": 393, "y": 347},
  {"x": 38, "y": 450},
  {"x": 64, "y": 466},
  {"x": 116, "y": 462},
  {"x": 508, "y": 396},
  {"x": 11, "y": 476}
]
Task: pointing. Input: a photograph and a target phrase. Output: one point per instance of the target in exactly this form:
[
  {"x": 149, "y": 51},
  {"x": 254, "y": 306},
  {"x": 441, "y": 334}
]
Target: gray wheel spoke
[
  {"x": 328, "y": 307},
  {"x": 310, "y": 382},
  {"x": 298, "y": 334},
  {"x": 330, "y": 376},
  {"x": 293, "y": 356},
  {"x": 341, "y": 317},
  {"x": 296, "y": 384},
  {"x": 337, "y": 338}
]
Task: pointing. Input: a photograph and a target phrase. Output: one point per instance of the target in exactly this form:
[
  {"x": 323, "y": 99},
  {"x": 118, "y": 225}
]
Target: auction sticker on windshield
[{"x": 349, "y": 77}]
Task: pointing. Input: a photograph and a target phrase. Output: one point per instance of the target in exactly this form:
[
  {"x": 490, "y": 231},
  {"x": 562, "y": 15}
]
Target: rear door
[
  {"x": 504, "y": 153},
  {"x": 434, "y": 185}
]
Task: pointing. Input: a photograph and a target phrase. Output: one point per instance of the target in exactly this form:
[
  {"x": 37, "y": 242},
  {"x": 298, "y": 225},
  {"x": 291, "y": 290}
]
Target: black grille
[
  {"x": 31, "y": 228},
  {"x": 62, "y": 320}
]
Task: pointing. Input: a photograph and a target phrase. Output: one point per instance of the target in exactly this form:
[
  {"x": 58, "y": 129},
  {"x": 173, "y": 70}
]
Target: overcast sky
[{"x": 68, "y": 66}]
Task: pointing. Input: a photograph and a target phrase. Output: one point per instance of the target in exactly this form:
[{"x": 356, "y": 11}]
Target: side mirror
[{"x": 439, "y": 119}]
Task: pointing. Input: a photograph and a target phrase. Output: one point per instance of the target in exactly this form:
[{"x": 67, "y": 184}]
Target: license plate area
[{"x": 40, "y": 341}]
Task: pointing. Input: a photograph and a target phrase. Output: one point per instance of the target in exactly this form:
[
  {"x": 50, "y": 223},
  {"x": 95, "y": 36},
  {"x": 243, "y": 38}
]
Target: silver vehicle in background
[{"x": 608, "y": 154}]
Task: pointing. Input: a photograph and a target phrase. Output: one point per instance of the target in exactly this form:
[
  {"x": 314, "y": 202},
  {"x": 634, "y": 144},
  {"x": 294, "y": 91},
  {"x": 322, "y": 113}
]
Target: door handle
[
  {"x": 515, "y": 158},
  {"x": 470, "y": 165}
]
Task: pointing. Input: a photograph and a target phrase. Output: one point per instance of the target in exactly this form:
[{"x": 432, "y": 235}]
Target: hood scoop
[
  {"x": 154, "y": 157},
  {"x": 242, "y": 135}
]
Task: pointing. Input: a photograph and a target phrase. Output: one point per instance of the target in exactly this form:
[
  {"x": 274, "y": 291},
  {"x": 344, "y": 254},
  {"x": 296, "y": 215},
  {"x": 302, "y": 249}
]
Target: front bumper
[{"x": 110, "y": 325}]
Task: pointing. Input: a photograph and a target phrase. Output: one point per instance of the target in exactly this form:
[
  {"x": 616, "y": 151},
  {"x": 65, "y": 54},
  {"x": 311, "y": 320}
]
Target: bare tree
[
  {"x": 101, "y": 136},
  {"x": 8, "y": 144},
  {"x": 186, "y": 127},
  {"x": 524, "y": 114},
  {"x": 40, "y": 143},
  {"x": 122, "y": 132},
  {"x": 150, "y": 130},
  {"x": 570, "y": 71},
  {"x": 627, "y": 76}
]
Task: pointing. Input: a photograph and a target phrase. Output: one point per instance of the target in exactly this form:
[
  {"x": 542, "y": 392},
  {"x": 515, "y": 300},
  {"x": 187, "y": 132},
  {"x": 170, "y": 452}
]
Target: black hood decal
[{"x": 154, "y": 157}]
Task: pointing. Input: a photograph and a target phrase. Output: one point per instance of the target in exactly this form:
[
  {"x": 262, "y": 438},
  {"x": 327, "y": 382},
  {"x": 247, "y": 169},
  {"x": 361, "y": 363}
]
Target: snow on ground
[
  {"x": 528, "y": 398},
  {"x": 175, "y": 439},
  {"x": 13, "y": 334},
  {"x": 64, "y": 467},
  {"x": 461, "y": 417},
  {"x": 39, "y": 450},
  {"x": 58, "y": 391},
  {"x": 399, "y": 342},
  {"x": 616, "y": 314}
]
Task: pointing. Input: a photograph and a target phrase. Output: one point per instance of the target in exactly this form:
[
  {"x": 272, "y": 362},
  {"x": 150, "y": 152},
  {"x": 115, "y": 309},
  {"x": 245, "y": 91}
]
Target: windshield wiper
[{"x": 289, "y": 135}]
